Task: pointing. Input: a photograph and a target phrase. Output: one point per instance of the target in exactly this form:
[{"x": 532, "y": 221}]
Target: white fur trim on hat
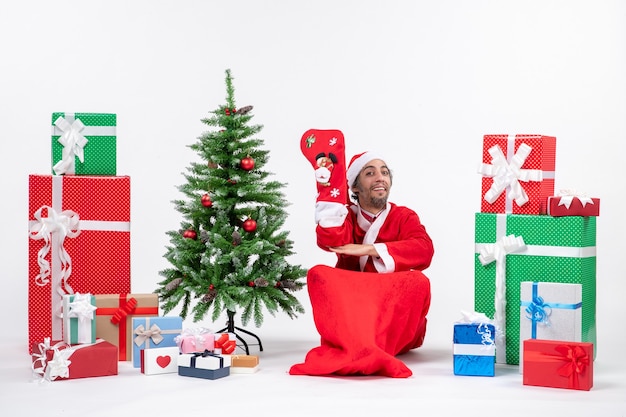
[{"x": 357, "y": 163}]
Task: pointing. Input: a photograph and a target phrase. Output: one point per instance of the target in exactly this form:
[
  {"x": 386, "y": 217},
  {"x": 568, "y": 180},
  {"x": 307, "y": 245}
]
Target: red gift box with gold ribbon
[
  {"x": 558, "y": 364},
  {"x": 114, "y": 313},
  {"x": 79, "y": 242},
  {"x": 518, "y": 173}
]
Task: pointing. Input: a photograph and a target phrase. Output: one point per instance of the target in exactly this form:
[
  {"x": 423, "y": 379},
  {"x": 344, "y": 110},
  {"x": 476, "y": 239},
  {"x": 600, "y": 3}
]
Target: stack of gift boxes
[
  {"x": 82, "y": 317},
  {"x": 535, "y": 264}
]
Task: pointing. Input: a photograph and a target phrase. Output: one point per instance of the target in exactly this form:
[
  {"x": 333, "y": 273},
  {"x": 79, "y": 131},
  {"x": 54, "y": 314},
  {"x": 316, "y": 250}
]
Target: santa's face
[
  {"x": 373, "y": 185},
  {"x": 322, "y": 175}
]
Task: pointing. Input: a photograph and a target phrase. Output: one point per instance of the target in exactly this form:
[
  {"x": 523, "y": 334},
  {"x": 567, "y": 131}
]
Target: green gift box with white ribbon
[
  {"x": 512, "y": 248},
  {"x": 84, "y": 143}
]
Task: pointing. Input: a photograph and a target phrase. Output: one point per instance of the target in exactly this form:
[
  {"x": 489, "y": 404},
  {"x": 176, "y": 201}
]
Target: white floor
[{"x": 432, "y": 390}]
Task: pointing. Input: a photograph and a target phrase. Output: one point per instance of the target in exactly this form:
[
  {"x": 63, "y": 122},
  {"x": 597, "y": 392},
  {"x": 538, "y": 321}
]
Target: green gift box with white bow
[
  {"x": 512, "y": 248},
  {"x": 84, "y": 143}
]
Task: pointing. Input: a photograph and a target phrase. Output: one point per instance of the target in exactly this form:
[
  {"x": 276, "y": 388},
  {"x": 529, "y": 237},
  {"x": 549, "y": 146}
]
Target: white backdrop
[{"x": 420, "y": 81}]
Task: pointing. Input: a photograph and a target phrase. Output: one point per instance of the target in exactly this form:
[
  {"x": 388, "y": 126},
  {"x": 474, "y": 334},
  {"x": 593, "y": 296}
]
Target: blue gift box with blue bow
[{"x": 474, "y": 349}]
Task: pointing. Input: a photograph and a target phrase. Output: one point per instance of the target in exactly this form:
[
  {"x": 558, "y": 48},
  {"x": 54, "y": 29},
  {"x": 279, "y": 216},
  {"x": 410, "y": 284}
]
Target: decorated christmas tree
[{"x": 230, "y": 254}]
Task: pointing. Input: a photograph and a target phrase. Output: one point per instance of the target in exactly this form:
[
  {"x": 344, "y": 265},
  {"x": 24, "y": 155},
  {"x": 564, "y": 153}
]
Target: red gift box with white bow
[
  {"x": 518, "y": 173},
  {"x": 57, "y": 360},
  {"x": 79, "y": 242}
]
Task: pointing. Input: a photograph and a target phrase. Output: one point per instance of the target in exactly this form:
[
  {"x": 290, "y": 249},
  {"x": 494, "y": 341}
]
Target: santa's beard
[{"x": 378, "y": 202}]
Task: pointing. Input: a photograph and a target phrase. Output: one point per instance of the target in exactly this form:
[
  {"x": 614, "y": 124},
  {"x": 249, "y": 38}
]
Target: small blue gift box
[
  {"x": 205, "y": 365},
  {"x": 474, "y": 349},
  {"x": 153, "y": 332}
]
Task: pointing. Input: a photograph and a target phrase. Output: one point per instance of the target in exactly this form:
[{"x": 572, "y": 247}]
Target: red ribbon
[
  {"x": 124, "y": 311},
  {"x": 576, "y": 361},
  {"x": 574, "y": 357},
  {"x": 119, "y": 316},
  {"x": 223, "y": 342}
]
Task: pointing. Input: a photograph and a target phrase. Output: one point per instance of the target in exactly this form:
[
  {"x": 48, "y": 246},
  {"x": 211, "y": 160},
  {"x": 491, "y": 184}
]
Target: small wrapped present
[
  {"x": 195, "y": 340},
  {"x": 474, "y": 346},
  {"x": 225, "y": 343},
  {"x": 114, "y": 316},
  {"x": 153, "y": 332},
  {"x": 550, "y": 311},
  {"x": 571, "y": 203},
  {"x": 205, "y": 365},
  {"x": 558, "y": 364},
  {"x": 159, "y": 360},
  {"x": 57, "y": 360},
  {"x": 79, "y": 319},
  {"x": 243, "y": 364},
  {"x": 518, "y": 173},
  {"x": 84, "y": 143},
  {"x": 79, "y": 242}
]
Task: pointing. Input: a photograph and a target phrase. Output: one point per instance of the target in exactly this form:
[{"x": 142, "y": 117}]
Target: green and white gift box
[
  {"x": 550, "y": 311},
  {"x": 79, "y": 318},
  {"x": 512, "y": 248},
  {"x": 84, "y": 143}
]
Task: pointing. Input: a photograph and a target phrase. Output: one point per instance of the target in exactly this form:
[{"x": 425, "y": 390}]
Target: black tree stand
[{"x": 230, "y": 328}]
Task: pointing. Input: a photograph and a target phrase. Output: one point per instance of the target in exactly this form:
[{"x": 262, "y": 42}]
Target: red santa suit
[{"x": 369, "y": 310}]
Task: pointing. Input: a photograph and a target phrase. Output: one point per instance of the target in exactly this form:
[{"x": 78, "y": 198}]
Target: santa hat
[{"x": 357, "y": 163}]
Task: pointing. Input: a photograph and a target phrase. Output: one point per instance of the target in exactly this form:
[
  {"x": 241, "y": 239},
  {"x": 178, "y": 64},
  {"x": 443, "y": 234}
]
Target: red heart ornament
[{"x": 163, "y": 361}]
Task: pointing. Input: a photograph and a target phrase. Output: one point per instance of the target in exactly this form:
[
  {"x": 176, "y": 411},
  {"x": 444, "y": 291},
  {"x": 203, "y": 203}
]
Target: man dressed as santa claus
[{"x": 372, "y": 305}]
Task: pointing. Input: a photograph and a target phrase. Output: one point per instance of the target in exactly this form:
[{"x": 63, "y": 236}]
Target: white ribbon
[
  {"x": 81, "y": 308},
  {"x": 507, "y": 175},
  {"x": 497, "y": 252},
  {"x": 53, "y": 230},
  {"x": 73, "y": 143},
  {"x": 567, "y": 196}
]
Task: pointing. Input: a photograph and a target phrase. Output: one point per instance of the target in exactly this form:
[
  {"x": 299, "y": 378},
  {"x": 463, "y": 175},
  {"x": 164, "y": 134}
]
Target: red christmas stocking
[{"x": 325, "y": 150}]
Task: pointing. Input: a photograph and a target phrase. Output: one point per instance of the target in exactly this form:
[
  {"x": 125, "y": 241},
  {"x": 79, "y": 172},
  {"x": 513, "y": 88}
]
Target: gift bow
[
  {"x": 81, "y": 307},
  {"x": 225, "y": 343},
  {"x": 73, "y": 143},
  {"x": 482, "y": 320},
  {"x": 58, "y": 366},
  {"x": 538, "y": 311},
  {"x": 199, "y": 336},
  {"x": 63, "y": 224},
  {"x": 123, "y": 312},
  {"x": 143, "y": 334},
  {"x": 507, "y": 175},
  {"x": 567, "y": 196}
]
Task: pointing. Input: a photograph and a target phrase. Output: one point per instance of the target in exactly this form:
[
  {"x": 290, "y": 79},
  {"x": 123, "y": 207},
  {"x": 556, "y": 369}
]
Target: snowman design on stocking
[{"x": 325, "y": 150}]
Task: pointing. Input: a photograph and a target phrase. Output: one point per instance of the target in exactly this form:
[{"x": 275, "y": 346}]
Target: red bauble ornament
[
  {"x": 247, "y": 164},
  {"x": 250, "y": 283},
  {"x": 211, "y": 286},
  {"x": 206, "y": 200},
  {"x": 190, "y": 234},
  {"x": 249, "y": 225}
]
